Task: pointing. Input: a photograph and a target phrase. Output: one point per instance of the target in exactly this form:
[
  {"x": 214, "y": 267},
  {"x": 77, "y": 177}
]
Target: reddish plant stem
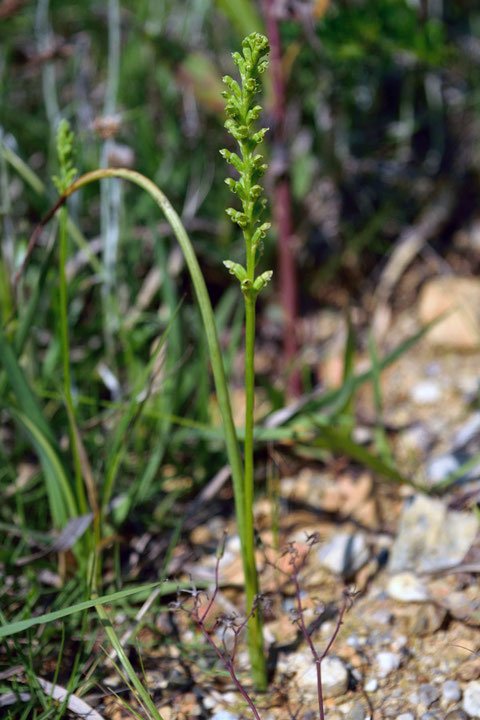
[
  {"x": 282, "y": 208},
  {"x": 229, "y": 666},
  {"x": 318, "y": 658},
  {"x": 228, "y": 662},
  {"x": 214, "y": 594}
]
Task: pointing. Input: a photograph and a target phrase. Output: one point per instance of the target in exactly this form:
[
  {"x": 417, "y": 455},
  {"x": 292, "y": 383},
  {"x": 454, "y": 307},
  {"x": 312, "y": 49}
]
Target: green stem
[
  {"x": 254, "y": 625},
  {"x": 65, "y": 349}
]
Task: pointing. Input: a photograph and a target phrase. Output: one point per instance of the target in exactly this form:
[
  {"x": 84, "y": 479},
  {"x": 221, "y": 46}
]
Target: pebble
[
  {"x": 430, "y": 537},
  {"x": 334, "y": 674},
  {"x": 456, "y": 297},
  {"x": 399, "y": 642},
  {"x": 427, "y": 620},
  {"x": 440, "y": 467},
  {"x": 428, "y": 694},
  {"x": 387, "y": 662},
  {"x": 371, "y": 685},
  {"x": 334, "y": 677},
  {"x": 406, "y": 716},
  {"x": 416, "y": 438},
  {"x": 406, "y": 587},
  {"x": 358, "y": 712},
  {"x": 469, "y": 670},
  {"x": 382, "y": 617},
  {"x": 471, "y": 699},
  {"x": 426, "y": 392},
  {"x": 468, "y": 430},
  {"x": 451, "y": 691},
  {"x": 345, "y": 553},
  {"x": 224, "y": 715},
  {"x": 457, "y": 714}
]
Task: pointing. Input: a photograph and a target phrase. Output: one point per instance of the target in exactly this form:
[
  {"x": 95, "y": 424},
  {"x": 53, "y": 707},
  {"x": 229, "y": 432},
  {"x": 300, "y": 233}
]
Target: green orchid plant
[{"x": 243, "y": 112}]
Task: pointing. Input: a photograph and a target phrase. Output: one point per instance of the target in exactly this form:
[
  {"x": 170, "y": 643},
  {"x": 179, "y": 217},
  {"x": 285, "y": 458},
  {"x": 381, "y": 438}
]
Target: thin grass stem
[{"x": 65, "y": 350}]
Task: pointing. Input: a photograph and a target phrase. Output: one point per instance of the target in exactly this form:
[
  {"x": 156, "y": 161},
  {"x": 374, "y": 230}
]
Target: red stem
[
  {"x": 318, "y": 658},
  {"x": 228, "y": 663}
]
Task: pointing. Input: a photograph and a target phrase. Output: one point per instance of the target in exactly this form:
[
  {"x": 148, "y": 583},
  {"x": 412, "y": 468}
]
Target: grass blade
[
  {"x": 63, "y": 505},
  {"x": 26, "y": 399},
  {"x": 22, "y": 625}
]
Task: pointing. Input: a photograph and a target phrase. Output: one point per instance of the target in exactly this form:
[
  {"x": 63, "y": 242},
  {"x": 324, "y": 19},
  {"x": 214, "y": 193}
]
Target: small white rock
[
  {"x": 426, "y": 392},
  {"x": 224, "y": 715},
  {"x": 471, "y": 699},
  {"x": 399, "y": 642},
  {"x": 371, "y": 685},
  {"x": 405, "y": 716},
  {"x": 451, "y": 691},
  {"x": 406, "y": 587},
  {"x": 387, "y": 662},
  {"x": 440, "y": 467},
  {"x": 334, "y": 677},
  {"x": 334, "y": 673},
  {"x": 344, "y": 553}
]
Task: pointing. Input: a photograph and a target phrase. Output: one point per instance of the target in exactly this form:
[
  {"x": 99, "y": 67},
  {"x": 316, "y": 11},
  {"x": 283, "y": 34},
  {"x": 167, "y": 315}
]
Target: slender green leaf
[
  {"x": 62, "y": 502},
  {"x": 22, "y": 625},
  {"x": 25, "y": 397},
  {"x": 337, "y": 441}
]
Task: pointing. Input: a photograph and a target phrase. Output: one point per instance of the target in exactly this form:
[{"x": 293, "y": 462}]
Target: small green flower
[
  {"x": 236, "y": 269},
  {"x": 65, "y": 153}
]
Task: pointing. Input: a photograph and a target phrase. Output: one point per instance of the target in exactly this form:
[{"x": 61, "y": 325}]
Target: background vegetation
[{"x": 380, "y": 122}]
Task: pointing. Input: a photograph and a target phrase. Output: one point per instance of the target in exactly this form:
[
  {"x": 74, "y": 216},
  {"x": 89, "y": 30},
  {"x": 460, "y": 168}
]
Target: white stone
[
  {"x": 471, "y": 699},
  {"x": 405, "y": 716},
  {"x": 344, "y": 553},
  {"x": 451, "y": 691},
  {"x": 426, "y": 392},
  {"x": 431, "y": 537},
  {"x": 468, "y": 430},
  {"x": 406, "y": 587},
  {"x": 399, "y": 642},
  {"x": 334, "y": 677},
  {"x": 371, "y": 685},
  {"x": 440, "y": 467},
  {"x": 387, "y": 662},
  {"x": 224, "y": 715}
]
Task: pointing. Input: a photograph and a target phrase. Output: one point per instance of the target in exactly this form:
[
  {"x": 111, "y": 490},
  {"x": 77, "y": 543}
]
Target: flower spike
[{"x": 242, "y": 112}]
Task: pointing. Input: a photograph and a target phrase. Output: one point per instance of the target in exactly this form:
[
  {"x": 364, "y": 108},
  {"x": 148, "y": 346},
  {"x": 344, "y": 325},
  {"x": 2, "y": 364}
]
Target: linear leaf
[
  {"x": 26, "y": 399},
  {"x": 62, "y": 501}
]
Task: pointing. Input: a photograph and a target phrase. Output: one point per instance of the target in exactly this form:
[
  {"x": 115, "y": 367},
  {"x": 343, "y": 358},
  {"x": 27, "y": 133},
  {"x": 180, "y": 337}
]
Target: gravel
[
  {"x": 471, "y": 699},
  {"x": 451, "y": 691},
  {"x": 428, "y": 694},
  {"x": 387, "y": 662}
]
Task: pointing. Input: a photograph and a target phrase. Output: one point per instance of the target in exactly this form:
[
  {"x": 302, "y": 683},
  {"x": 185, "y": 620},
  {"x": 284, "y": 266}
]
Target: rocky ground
[{"x": 409, "y": 644}]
